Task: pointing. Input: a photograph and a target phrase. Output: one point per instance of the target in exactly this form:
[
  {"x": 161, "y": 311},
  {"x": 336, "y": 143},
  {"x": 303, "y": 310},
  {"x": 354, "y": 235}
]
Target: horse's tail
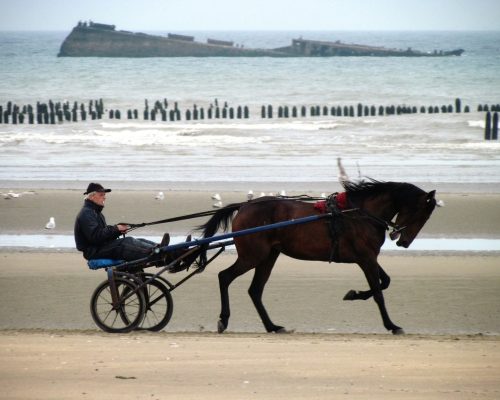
[{"x": 221, "y": 218}]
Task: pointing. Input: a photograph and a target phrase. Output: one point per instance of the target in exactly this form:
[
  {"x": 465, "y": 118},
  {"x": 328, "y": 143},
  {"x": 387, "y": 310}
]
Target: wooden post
[
  {"x": 381, "y": 110},
  {"x": 263, "y": 112},
  {"x": 303, "y": 111},
  {"x": 209, "y": 111},
  {"x": 458, "y": 105},
  {"x": 136, "y": 113},
  {"x": 195, "y": 113},
  {"x": 313, "y": 111},
  {"x": 366, "y": 111},
  {"x": 153, "y": 115},
  {"x": 224, "y": 112},
  {"x": 111, "y": 114},
  {"x": 285, "y": 112},
  {"x": 21, "y": 118},
  {"x": 31, "y": 118},
  {"x": 129, "y": 114},
  {"x": 360, "y": 110},
  {"x": 487, "y": 127},
  {"x": 246, "y": 112},
  {"x": 346, "y": 111},
  {"x": 231, "y": 113},
  {"x": 172, "y": 115},
  {"x": 188, "y": 115},
  {"x": 269, "y": 111},
  {"x": 52, "y": 118},
  {"x": 351, "y": 111},
  {"x": 325, "y": 110},
  {"x": 280, "y": 112},
  {"x": 466, "y": 109},
  {"x": 118, "y": 114},
  {"x": 373, "y": 111},
  {"x": 217, "y": 112},
  {"x": 294, "y": 112},
  {"x": 1, "y": 114},
  {"x": 202, "y": 113},
  {"x": 239, "y": 112},
  {"x": 339, "y": 111},
  {"x": 494, "y": 128}
]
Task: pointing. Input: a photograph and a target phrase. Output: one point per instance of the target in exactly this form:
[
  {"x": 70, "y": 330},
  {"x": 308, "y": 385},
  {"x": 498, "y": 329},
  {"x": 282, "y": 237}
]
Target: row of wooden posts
[{"x": 51, "y": 112}]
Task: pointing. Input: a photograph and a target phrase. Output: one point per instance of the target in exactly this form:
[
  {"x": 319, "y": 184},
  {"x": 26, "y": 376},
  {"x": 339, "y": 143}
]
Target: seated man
[{"x": 96, "y": 239}]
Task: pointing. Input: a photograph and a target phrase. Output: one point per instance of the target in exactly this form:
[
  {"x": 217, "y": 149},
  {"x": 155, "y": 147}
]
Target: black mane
[{"x": 402, "y": 192}]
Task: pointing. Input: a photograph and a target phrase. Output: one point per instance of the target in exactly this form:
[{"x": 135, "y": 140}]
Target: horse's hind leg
[
  {"x": 371, "y": 270},
  {"x": 385, "y": 280},
  {"x": 225, "y": 278},
  {"x": 256, "y": 289}
]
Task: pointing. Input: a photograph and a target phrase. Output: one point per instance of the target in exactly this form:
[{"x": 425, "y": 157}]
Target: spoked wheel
[
  {"x": 128, "y": 312},
  {"x": 159, "y": 306}
]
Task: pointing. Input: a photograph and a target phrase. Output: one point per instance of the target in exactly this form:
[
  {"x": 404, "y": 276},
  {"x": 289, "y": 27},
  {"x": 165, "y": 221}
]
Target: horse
[{"x": 360, "y": 233}]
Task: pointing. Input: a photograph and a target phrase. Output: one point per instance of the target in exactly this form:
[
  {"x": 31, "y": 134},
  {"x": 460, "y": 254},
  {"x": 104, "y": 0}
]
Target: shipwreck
[{"x": 103, "y": 40}]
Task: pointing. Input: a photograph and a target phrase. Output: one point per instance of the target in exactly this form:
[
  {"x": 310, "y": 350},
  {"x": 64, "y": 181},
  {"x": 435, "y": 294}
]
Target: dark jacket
[{"x": 91, "y": 230}]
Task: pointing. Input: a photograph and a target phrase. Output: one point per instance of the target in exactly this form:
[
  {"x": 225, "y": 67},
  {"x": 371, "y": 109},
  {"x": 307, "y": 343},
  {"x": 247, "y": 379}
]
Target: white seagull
[
  {"x": 51, "y": 224},
  {"x": 250, "y": 195},
  {"x": 217, "y": 205},
  {"x": 160, "y": 196},
  {"x": 216, "y": 196}
]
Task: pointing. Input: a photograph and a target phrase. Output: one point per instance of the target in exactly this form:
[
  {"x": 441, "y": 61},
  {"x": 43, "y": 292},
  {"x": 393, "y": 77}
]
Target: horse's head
[{"x": 413, "y": 215}]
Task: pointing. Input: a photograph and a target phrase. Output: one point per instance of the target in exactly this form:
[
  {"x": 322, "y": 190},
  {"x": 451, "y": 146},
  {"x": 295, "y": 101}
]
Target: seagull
[
  {"x": 216, "y": 196},
  {"x": 217, "y": 205},
  {"x": 250, "y": 195},
  {"x": 342, "y": 174},
  {"x": 323, "y": 195},
  {"x": 12, "y": 195},
  {"x": 51, "y": 224},
  {"x": 160, "y": 196},
  {"x": 283, "y": 193},
  {"x": 262, "y": 194}
]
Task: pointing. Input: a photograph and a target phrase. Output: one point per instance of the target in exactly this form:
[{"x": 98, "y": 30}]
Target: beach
[{"x": 448, "y": 303}]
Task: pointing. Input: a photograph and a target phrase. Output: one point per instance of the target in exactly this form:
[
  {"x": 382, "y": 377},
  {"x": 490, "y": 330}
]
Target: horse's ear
[{"x": 431, "y": 195}]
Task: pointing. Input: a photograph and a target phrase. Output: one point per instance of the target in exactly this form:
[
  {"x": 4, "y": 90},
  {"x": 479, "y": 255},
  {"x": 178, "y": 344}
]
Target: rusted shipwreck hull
[{"x": 102, "y": 40}]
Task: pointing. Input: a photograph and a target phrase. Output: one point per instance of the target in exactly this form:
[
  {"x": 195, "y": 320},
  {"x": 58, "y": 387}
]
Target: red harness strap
[{"x": 340, "y": 198}]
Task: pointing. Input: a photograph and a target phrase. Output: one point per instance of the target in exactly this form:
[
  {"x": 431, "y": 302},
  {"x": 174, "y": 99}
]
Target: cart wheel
[
  {"x": 159, "y": 307},
  {"x": 126, "y": 316}
]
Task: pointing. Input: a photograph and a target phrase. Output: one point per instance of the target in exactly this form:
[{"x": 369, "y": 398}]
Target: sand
[{"x": 449, "y": 304}]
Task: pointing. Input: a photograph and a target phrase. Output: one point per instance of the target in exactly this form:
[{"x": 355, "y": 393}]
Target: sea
[{"x": 439, "y": 148}]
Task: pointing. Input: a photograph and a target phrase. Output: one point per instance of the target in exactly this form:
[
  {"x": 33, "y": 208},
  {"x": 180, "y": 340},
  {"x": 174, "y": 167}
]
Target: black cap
[{"x": 96, "y": 187}]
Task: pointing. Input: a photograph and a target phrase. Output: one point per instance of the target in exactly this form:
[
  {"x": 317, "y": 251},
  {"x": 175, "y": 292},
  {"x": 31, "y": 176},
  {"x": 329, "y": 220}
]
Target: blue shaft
[{"x": 249, "y": 231}]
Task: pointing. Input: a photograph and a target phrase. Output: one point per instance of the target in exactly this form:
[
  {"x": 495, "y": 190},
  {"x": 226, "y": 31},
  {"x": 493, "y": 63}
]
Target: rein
[{"x": 301, "y": 197}]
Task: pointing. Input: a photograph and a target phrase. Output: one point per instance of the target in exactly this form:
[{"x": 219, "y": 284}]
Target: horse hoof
[
  {"x": 398, "y": 331},
  {"x": 350, "y": 295},
  {"x": 220, "y": 326},
  {"x": 281, "y": 330}
]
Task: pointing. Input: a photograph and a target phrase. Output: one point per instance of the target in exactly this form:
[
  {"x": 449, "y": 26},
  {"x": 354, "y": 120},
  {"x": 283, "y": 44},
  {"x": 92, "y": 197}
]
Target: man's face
[{"x": 98, "y": 198}]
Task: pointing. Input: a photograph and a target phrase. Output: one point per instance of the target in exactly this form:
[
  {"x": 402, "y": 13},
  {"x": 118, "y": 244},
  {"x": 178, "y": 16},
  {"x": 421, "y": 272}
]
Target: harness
[{"x": 336, "y": 205}]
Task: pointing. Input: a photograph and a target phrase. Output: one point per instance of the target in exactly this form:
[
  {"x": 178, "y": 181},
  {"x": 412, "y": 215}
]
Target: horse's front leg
[
  {"x": 385, "y": 281},
  {"x": 371, "y": 270}
]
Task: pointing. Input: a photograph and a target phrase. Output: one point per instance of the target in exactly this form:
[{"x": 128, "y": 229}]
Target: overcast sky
[{"x": 169, "y": 15}]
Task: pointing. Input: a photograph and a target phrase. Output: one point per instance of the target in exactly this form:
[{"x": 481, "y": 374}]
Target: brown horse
[{"x": 357, "y": 239}]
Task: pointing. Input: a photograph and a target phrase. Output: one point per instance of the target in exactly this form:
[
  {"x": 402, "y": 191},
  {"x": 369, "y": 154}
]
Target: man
[{"x": 96, "y": 239}]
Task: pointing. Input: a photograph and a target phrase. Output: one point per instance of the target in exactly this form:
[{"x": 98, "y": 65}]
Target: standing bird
[
  {"x": 51, "y": 224},
  {"x": 216, "y": 196},
  {"x": 160, "y": 196},
  {"x": 250, "y": 195}
]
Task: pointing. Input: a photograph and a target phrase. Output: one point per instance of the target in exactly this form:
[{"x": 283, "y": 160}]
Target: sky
[{"x": 244, "y": 15}]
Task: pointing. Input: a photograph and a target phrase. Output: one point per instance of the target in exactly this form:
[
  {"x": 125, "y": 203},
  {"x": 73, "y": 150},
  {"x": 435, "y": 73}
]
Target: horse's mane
[{"x": 401, "y": 191}]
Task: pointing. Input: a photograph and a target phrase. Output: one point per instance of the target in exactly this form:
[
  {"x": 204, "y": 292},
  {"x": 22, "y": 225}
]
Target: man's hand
[{"x": 123, "y": 228}]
